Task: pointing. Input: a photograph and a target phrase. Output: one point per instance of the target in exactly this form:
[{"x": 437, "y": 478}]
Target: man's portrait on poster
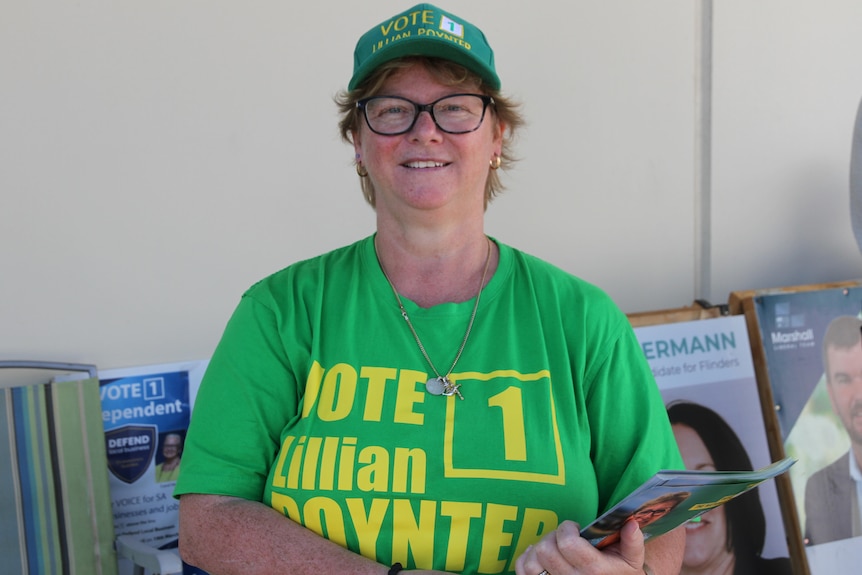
[{"x": 832, "y": 494}]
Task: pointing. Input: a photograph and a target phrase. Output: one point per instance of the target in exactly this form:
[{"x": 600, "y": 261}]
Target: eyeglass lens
[{"x": 456, "y": 114}]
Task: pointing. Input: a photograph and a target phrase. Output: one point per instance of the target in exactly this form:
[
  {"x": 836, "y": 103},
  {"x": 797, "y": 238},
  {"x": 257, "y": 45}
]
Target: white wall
[
  {"x": 787, "y": 84},
  {"x": 156, "y": 158}
]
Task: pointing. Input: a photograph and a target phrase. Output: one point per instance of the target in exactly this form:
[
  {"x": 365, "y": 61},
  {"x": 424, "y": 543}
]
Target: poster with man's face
[{"x": 812, "y": 342}]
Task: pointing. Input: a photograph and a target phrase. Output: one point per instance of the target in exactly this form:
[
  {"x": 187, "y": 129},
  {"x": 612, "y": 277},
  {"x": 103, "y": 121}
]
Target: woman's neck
[{"x": 431, "y": 269}]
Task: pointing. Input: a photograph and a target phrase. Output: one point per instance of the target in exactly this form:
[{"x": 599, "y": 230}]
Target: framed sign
[
  {"x": 705, "y": 372},
  {"x": 807, "y": 349}
]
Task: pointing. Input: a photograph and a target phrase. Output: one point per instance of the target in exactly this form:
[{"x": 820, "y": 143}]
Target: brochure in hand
[{"x": 671, "y": 498}]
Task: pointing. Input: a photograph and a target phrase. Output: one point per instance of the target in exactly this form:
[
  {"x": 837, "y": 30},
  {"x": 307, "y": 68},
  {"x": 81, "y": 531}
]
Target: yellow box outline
[{"x": 475, "y": 473}]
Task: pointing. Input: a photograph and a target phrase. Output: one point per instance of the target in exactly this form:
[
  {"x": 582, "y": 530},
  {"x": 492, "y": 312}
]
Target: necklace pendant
[
  {"x": 443, "y": 386},
  {"x": 452, "y": 389},
  {"x": 436, "y": 385}
]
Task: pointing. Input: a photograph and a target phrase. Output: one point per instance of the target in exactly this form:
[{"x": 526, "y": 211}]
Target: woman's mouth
[
  {"x": 423, "y": 164},
  {"x": 696, "y": 523}
]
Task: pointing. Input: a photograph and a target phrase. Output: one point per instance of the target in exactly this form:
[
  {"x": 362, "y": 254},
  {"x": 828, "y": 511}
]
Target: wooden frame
[{"x": 693, "y": 312}]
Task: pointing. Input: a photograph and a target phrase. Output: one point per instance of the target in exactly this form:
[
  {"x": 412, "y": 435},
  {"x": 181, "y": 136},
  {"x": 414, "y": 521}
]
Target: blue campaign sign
[
  {"x": 140, "y": 415},
  {"x": 145, "y": 413}
]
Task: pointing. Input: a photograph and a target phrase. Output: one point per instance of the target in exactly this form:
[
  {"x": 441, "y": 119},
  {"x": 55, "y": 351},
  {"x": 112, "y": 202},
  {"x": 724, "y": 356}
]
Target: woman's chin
[{"x": 698, "y": 543}]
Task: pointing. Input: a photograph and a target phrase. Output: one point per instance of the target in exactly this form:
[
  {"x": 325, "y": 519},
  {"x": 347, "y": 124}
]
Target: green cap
[{"x": 424, "y": 30}]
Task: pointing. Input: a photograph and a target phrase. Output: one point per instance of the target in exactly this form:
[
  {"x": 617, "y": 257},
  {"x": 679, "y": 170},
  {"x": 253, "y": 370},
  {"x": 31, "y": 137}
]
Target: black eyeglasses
[{"x": 454, "y": 114}]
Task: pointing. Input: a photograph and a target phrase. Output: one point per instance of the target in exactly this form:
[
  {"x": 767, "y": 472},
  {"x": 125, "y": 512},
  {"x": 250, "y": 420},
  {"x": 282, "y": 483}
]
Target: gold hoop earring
[
  {"x": 361, "y": 170},
  {"x": 496, "y": 162}
]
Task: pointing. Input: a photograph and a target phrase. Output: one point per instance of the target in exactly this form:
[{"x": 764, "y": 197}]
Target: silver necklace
[{"x": 440, "y": 385}]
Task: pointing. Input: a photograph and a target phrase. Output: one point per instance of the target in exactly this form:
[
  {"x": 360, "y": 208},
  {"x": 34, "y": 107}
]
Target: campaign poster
[
  {"x": 146, "y": 413},
  {"x": 800, "y": 331},
  {"x": 702, "y": 368}
]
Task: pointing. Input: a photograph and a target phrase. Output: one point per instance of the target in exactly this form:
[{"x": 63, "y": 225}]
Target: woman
[
  {"x": 729, "y": 539},
  {"x": 426, "y": 399},
  {"x": 172, "y": 449}
]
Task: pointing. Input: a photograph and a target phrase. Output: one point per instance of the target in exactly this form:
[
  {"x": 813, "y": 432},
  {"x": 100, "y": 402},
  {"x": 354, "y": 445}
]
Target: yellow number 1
[{"x": 512, "y": 407}]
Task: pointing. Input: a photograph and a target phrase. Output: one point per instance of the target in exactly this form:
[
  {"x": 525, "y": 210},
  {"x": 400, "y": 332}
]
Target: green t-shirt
[{"x": 314, "y": 403}]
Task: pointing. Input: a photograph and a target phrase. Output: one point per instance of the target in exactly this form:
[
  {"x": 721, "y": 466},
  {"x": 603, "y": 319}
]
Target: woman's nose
[{"x": 425, "y": 124}]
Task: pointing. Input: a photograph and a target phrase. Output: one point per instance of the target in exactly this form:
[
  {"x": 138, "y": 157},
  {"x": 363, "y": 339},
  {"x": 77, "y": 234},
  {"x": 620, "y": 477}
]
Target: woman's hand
[{"x": 565, "y": 552}]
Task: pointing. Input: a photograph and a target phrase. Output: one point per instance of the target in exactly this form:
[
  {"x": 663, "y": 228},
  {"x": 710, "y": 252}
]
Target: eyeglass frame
[{"x": 419, "y": 108}]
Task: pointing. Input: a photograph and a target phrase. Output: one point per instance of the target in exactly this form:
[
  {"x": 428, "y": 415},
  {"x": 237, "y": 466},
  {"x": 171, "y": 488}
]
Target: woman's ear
[{"x": 500, "y": 128}]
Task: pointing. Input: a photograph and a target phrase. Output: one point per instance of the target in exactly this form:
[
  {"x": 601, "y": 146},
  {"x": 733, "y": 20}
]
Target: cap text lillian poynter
[{"x": 421, "y": 32}]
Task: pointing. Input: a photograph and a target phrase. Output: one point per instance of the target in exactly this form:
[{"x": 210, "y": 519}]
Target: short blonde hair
[{"x": 448, "y": 73}]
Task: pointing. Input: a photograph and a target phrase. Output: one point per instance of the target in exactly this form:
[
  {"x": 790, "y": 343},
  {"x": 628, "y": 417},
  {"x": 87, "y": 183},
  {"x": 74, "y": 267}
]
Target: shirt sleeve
[
  {"x": 631, "y": 433},
  {"x": 247, "y": 395}
]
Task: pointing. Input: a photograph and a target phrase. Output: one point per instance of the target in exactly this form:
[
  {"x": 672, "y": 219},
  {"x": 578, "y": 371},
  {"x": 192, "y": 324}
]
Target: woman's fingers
[
  {"x": 631, "y": 546},
  {"x": 565, "y": 552}
]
